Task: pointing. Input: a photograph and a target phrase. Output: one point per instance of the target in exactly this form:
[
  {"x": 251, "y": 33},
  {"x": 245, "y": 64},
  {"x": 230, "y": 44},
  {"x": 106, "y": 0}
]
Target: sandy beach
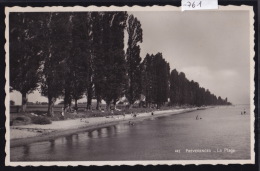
[{"x": 26, "y": 134}]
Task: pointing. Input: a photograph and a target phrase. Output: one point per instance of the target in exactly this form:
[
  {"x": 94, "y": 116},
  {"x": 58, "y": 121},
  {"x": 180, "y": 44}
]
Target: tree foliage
[
  {"x": 114, "y": 74},
  {"x": 80, "y": 57},
  {"x": 73, "y": 54},
  {"x": 57, "y": 39},
  {"x": 26, "y": 52},
  {"x": 185, "y": 92},
  {"x": 133, "y": 59},
  {"x": 98, "y": 47},
  {"x": 155, "y": 79}
]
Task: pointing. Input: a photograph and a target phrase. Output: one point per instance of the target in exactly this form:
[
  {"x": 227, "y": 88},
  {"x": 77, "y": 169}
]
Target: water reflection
[
  {"x": 99, "y": 131},
  {"x": 110, "y": 131},
  {"x": 52, "y": 146},
  {"x": 69, "y": 141},
  {"x": 26, "y": 150},
  {"x": 77, "y": 137},
  {"x": 90, "y": 134}
]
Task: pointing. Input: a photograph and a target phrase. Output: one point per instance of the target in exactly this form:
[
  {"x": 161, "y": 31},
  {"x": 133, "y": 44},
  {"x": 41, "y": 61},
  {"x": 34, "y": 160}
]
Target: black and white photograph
[{"x": 129, "y": 85}]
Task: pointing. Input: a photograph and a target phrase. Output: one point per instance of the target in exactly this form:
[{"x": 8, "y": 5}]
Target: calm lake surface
[{"x": 222, "y": 133}]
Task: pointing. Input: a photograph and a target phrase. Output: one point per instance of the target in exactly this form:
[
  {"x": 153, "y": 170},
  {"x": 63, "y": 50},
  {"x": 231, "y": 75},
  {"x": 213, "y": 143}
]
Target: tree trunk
[
  {"x": 24, "y": 101},
  {"x": 114, "y": 103},
  {"x": 140, "y": 104},
  {"x": 108, "y": 107},
  {"x": 98, "y": 103},
  {"x": 51, "y": 101},
  {"x": 65, "y": 99},
  {"x": 89, "y": 101},
  {"x": 69, "y": 108},
  {"x": 65, "y": 105},
  {"x": 89, "y": 97},
  {"x": 149, "y": 104},
  {"x": 76, "y": 105}
]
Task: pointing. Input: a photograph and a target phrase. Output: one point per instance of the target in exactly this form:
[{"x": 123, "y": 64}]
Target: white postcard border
[{"x": 131, "y": 163}]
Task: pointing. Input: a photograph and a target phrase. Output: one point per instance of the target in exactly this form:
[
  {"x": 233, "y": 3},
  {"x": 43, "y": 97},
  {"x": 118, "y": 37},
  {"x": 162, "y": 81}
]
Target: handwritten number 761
[{"x": 193, "y": 4}]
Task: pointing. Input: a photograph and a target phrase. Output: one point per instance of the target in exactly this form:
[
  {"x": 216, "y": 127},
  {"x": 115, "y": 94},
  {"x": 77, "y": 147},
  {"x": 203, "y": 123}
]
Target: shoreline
[{"x": 80, "y": 127}]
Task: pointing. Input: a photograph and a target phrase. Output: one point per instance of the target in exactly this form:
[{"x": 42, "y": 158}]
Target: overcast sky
[{"x": 211, "y": 48}]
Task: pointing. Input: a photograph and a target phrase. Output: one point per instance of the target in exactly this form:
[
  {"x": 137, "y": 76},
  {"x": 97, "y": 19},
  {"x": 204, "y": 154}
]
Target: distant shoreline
[{"x": 96, "y": 124}]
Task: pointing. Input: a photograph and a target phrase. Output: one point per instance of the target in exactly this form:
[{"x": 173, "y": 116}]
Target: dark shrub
[
  {"x": 19, "y": 118},
  {"x": 38, "y": 112},
  {"x": 41, "y": 120},
  {"x": 12, "y": 102}
]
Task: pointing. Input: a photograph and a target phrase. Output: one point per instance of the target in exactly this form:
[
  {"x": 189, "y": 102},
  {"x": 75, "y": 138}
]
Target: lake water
[{"x": 222, "y": 133}]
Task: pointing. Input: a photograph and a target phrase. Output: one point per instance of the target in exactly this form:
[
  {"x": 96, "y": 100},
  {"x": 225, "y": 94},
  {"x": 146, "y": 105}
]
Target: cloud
[
  {"x": 228, "y": 74},
  {"x": 197, "y": 73}
]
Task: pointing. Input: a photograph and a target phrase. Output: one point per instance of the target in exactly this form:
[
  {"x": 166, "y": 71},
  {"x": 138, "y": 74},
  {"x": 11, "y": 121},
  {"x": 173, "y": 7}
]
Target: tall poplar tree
[
  {"x": 161, "y": 83},
  {"x": 133, "y": 59},
  {"x": 155, "y": 79},
  {"x": 114, "y": 57},
  {"x": 80, "y": 54},
  {"x": 99, "y": 35},
  {"x": 26, "y": 54},
  {"x": 174, "y": 87},
  {"x": 58, "y": 41},
  {"x": 147, "y": 81},
  {"x": 185, "y": 92}
]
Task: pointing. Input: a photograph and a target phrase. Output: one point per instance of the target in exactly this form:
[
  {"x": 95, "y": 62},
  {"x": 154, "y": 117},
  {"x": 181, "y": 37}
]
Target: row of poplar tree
[{"x": 71, "y": 54}]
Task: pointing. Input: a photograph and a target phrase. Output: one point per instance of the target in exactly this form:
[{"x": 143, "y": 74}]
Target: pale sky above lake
[{"x": 211, "y": 48}]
